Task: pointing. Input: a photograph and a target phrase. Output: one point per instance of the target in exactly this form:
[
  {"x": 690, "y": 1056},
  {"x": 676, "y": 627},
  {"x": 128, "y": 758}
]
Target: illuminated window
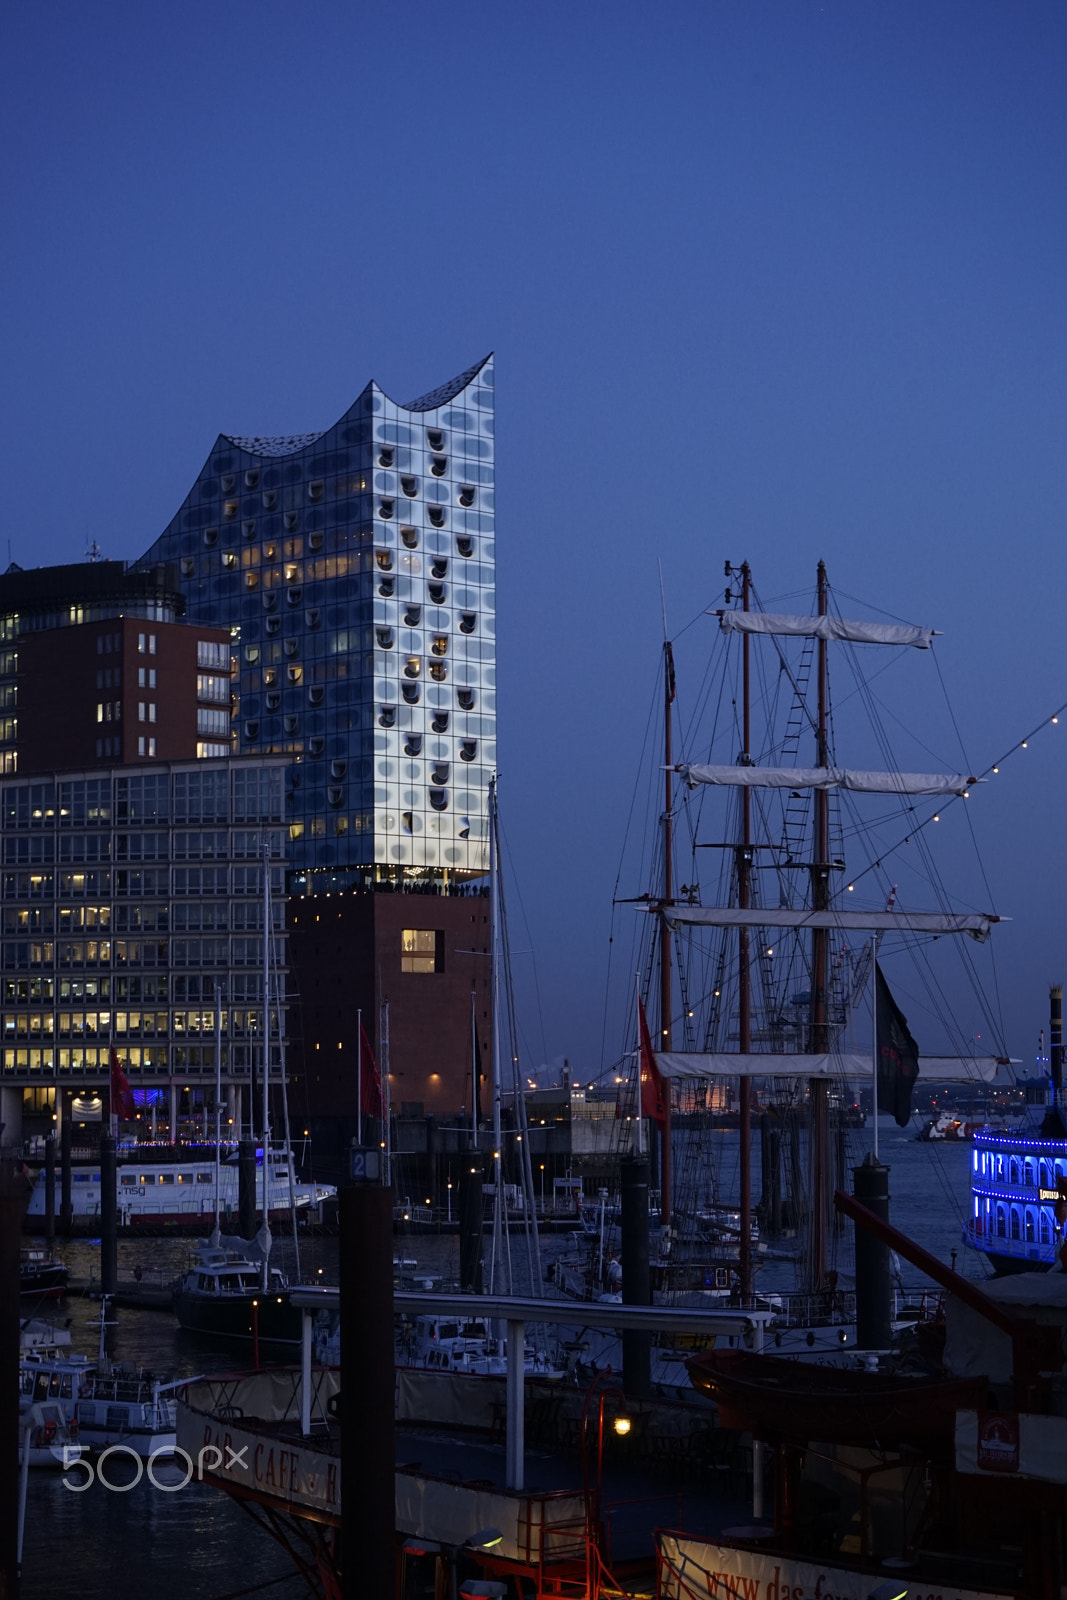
[
  {"x": 440, "y": 644},
  {"x": 421, "y": 950}
]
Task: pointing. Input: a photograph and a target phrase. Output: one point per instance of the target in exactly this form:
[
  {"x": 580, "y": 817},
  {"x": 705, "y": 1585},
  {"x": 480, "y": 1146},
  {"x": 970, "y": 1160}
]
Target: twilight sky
[{"x": 768, "y": 280}]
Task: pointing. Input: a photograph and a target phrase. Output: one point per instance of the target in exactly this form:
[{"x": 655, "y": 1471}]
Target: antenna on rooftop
[{"x": 93, "y": 552}]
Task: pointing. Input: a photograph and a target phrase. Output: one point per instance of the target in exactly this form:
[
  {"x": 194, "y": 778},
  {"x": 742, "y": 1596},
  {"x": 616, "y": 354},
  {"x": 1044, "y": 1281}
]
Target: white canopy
[
  {"x": 825, "y": 628},
  {"x": 943, "y": 1069},
  {"x": 827, "y": 778},
  {"x": 977, "y": 924}
]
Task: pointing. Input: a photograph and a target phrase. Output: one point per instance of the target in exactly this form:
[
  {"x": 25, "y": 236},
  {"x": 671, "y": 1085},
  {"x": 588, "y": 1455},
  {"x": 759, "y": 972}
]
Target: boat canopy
[
  {"x": 977, "y": 924},
  {"x": 825, "y": 628},
  {"x": 745, "y": 777},
  {"x": 721, "y": 1064}
]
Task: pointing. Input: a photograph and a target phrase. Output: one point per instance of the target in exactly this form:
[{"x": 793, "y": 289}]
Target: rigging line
[
  {"x": 948, "y": 703},
  {"x": 984, "y": 773},
  {"x": 844, "y": 593},
  {"x": 529, "y": 937}
]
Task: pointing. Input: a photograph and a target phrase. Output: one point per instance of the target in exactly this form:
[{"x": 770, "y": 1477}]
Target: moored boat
[{"x": 775, "y": 1398}]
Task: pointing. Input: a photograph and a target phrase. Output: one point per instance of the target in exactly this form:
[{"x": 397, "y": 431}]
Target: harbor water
[{"x": 196, "y": 1544}]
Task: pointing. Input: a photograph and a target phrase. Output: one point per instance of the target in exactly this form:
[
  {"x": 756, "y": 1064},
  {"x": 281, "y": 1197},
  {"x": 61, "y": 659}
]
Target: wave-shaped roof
[
  {"x": 287, "y": 444},
  {"x": 447, "y": 391}
]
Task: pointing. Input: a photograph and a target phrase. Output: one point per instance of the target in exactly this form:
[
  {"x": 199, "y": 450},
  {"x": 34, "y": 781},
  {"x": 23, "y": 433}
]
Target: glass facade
[
  {"x": 125, "y": 898},
  {"x": 356, "y": 567}
]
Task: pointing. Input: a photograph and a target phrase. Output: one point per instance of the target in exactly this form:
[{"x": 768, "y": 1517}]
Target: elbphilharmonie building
[{"x": 356, "y": 569}]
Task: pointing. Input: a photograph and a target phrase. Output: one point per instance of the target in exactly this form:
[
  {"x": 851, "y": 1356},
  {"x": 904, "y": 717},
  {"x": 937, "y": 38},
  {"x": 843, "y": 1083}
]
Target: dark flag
[
  {"x": 898, "y": 1056},
  {"x": 653, "y": 1098}
]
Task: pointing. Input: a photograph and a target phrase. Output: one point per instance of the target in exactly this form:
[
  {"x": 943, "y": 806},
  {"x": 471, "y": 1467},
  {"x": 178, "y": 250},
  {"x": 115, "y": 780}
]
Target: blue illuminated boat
[{"x": 1019, "y": 1178}]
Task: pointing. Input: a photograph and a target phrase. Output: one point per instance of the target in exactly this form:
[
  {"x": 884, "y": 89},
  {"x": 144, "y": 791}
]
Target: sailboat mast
[
  {"x": 495, "y": 1004},
  {"x": 665, "y": 933},
  {"x": 819, "y": 1043},
  {"x": 744, "y": 897}
]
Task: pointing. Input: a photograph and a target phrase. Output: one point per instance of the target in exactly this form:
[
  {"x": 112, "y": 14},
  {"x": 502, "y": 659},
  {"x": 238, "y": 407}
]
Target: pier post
[
  {"x": 109, "y": 1203},
  {"x": 515, "y": 1442},
  {"x": 246, "y": 1188},
  {"x": 368, "y": 1449},
  {"x": 636, "y": 1279},
  {"x": 873, "y": 1294},
  {"x": 50, "y": 1191},
  {"x": 305, "y": 1372},
  {"x": 470, "y": 1226},
  {"x": 66, "y": 1144},
  {"x": 11, "y": 1199}
]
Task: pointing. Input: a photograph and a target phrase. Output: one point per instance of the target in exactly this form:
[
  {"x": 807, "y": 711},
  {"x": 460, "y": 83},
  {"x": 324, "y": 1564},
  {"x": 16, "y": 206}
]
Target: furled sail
[
  {"x": 742, "y": 777},
  {"x": 977, "y": 924},
  {"x": 694, "y": 1064},
  {"x": 825, "y": 628}
]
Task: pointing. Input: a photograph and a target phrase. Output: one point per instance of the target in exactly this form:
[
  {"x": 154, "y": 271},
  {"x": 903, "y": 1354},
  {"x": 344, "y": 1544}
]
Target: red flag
[
  {"x": 653, "y": 1089},
  {"x": 121, "y": 1094},
  {"x": 370, "y": 1083}
]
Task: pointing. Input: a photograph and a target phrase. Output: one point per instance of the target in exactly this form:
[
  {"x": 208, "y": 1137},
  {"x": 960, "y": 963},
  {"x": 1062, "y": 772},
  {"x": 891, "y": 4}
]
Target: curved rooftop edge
[{"x": 289, "y": 444}]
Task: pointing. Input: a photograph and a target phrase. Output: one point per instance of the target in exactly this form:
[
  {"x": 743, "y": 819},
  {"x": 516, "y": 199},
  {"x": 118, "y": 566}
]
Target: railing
[{"x": 999, "y": 1244}]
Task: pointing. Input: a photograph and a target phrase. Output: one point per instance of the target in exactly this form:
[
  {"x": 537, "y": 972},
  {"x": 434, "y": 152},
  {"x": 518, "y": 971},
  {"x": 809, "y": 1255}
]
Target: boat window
[
  {"x": 1046, "y": 1237},
  {"x": 203, "y": 1177},
  {"x": 1029, "y": 1227},
  {"x": 1001, "y": 1230},
  {"x": 40, "y": 1388},
  {"x": 1014, "y": 1222},
  {"x": 53, "y": 1386},
  {"x": 81, "y": 1177},
  {"x": 128, "y": 1180},
  {"x": 1014, "y": 1171},
  {"x": 1028, "y": 1172},
  {"x": 65, "y": 1390},
  {"x": 447, "y": 1330},
  {"x": 166, "y": 1177}
]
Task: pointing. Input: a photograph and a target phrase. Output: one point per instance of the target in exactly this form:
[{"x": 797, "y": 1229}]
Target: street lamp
[{"x": 542, "y": 1190}]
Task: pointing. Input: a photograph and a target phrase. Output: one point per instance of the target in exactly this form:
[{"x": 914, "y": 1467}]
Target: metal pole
[
  {"x": 266, "y": 1044},
  {"x": 665, "y": 934},
  {"x": 359, "y": 1076},
  {"x": 387, "y": 1144},
  {"x": 11, "y": 1205},
  {"x": 744, "y": 887},
  {"x": 108, "y": 1216},
  {"x": 474, "y": 1069},
  {"x": 874, "y": 1035},
  {"x": 50, "y": 1191},
  {"x": 818, "y": 1088},
  {"x": 368, "y": 1460},
  {"x": 496, "y": 999},
  {"x": 305, "y": 1373},
  {"x": 515, "y": 1444},
  {"x": 218, "y": 1106},
  {"x": 66, "y": 1142}
]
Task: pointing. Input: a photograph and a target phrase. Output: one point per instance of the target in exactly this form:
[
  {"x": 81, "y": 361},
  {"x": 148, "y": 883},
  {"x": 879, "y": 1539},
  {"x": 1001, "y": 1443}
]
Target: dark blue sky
[{"x": 775, "y": 280}]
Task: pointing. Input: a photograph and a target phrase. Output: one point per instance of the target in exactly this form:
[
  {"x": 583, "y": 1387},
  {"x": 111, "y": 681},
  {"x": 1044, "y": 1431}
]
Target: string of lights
[{"x": 990, "y": 771}]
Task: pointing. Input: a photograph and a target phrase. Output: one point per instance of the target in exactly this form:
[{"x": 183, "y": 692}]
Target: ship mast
[
  {"x": 819, "y": 1039},
  {"x": 744, "y": 900},
  {"x": 665, "y": 934}
]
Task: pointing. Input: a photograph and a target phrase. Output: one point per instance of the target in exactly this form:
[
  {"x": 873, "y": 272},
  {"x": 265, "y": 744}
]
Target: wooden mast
[
  {"x": 819, "y": 1042},
  {"x": 744, "y": 888},
  {"x": 665, "y": 934}
]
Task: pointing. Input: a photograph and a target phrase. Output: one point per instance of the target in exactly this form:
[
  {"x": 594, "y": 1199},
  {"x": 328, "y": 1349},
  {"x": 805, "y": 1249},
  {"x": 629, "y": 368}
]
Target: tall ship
[{"x": 809, "y": 894}]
